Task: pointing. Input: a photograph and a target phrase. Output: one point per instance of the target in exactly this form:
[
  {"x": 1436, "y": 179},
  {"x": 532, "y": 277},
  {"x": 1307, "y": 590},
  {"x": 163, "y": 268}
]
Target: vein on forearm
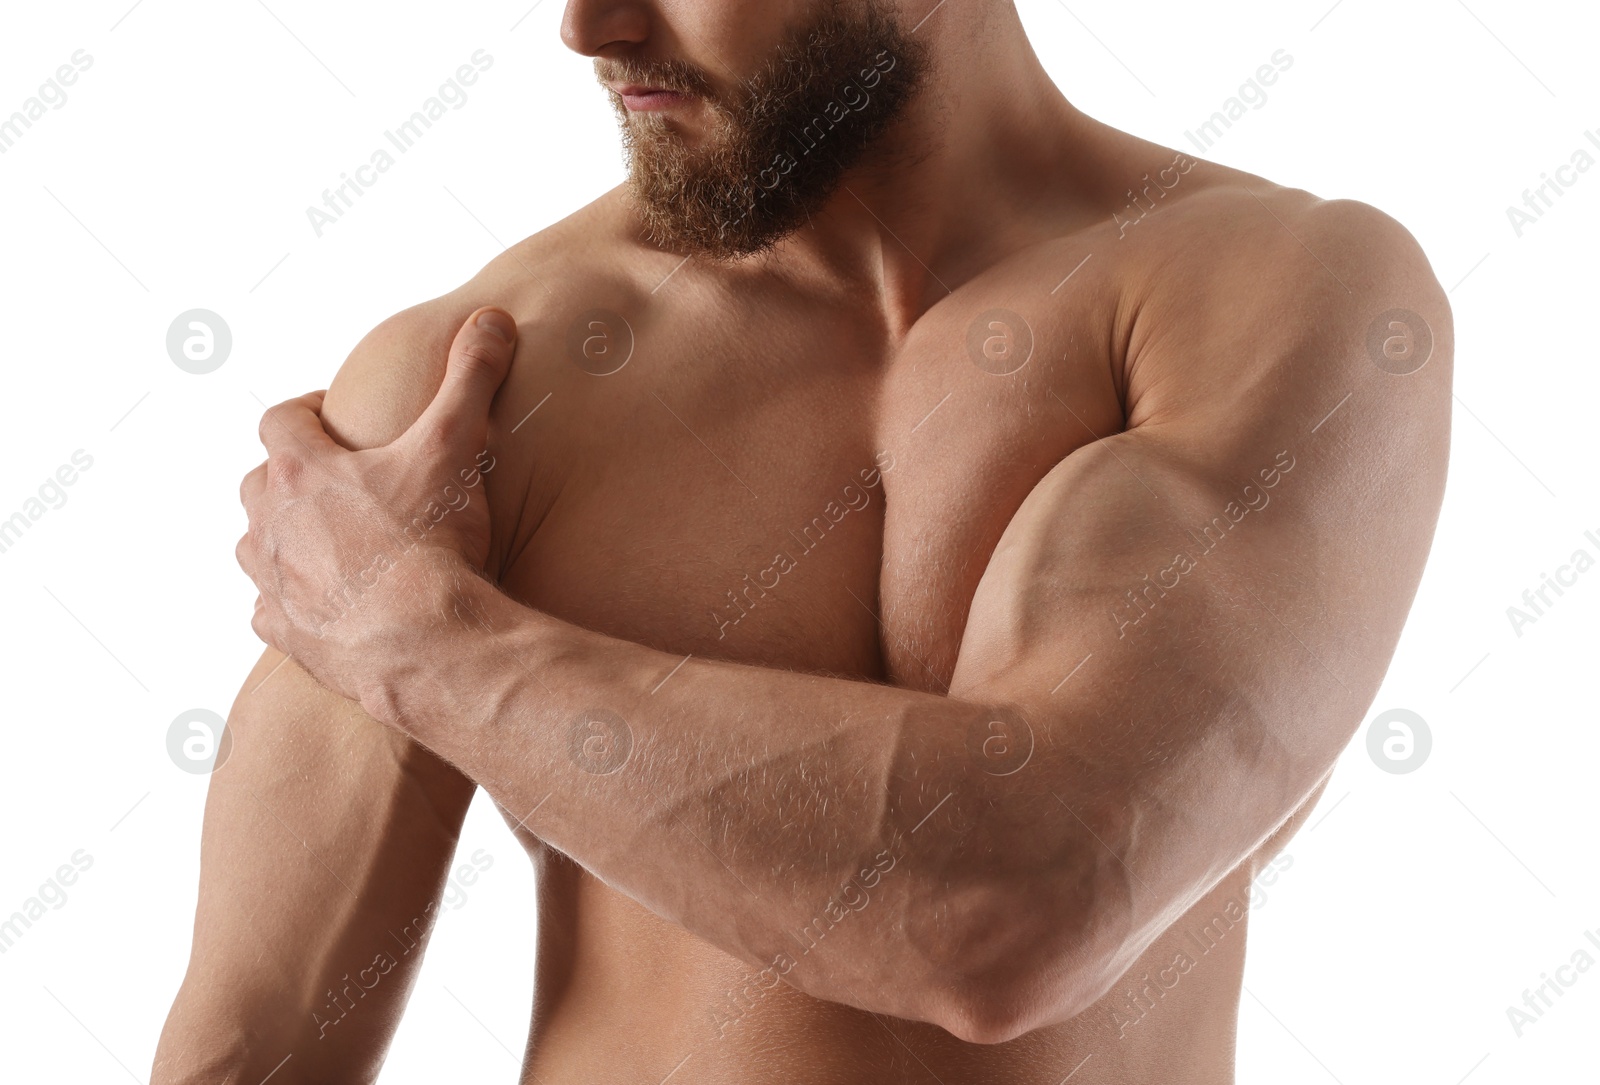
[{"x": 733, "y": 800}]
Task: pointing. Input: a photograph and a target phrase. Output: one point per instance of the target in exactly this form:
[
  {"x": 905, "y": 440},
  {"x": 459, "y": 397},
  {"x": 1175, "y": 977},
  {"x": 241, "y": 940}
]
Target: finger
[
  {"x": 258, "y": 624},
  {"x": 295, "y": 427},
  {"x": 458, "y": 418},
  {"x": 252, "y": 485}
]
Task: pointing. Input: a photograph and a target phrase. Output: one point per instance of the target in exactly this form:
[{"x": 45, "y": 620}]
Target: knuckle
[
  {"x": 478, "y": 357},
  {"x": 285, "y": 468},
  {"x": 248, "y": 483},
  {"x": 271, "y": 420}
]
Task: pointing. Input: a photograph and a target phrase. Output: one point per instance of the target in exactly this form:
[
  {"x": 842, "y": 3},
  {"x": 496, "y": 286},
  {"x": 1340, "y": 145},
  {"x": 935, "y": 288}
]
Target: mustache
[{"x": 673, "y": 75}]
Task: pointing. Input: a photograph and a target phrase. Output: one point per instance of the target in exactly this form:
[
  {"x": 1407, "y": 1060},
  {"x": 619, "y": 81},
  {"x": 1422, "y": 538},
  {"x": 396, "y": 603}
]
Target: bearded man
[{"x": 901, "y": 564}]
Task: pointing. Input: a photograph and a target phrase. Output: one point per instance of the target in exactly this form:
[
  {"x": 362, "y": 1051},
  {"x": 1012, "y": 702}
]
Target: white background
[{"x": 1417, "y": 909}]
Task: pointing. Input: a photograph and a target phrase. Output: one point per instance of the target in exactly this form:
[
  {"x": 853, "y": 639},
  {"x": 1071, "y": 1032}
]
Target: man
[{"x": 926, "y": 554}]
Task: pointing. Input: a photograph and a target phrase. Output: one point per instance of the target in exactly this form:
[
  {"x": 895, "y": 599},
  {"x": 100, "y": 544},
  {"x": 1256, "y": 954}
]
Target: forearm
[
  {"x": 867, "y": 833},
  {"x": 324, "y": 833}
]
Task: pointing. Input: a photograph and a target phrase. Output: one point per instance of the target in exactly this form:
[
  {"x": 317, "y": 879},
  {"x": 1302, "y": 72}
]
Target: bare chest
[{"x": 790, "y": 493}]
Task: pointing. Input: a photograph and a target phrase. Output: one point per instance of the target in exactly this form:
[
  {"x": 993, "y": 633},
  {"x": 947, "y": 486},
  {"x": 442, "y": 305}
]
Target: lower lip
[{"x": 653, "y": 101}]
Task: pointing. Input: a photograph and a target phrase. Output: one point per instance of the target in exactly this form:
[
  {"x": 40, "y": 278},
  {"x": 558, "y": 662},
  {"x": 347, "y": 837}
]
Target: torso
[{"x": 771, "y": 479}]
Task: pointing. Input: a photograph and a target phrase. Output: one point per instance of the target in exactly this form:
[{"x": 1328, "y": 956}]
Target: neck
[{"x": 987, "y": 139}]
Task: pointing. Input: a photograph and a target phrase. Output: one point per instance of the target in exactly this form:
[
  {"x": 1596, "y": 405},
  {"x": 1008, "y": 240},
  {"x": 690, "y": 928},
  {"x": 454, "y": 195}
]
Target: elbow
[
  {"x": 985, "y": 1019},
  {"x": 1000, "y": 1009},
  {"x": 1033, "y": 957}
]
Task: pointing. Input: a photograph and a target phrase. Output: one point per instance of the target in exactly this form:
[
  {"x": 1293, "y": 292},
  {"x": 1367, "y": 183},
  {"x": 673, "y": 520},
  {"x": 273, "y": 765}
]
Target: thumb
[{"x": 480, "y": 358}]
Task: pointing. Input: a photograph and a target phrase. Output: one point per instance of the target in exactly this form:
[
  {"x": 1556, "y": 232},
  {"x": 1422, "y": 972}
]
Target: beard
[{"x": 773, "y": 158}]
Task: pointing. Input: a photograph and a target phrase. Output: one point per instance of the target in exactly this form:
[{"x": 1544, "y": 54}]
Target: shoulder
[
  {"x": 582, "y": 263},
  {"x": 557, "y": 284},
  {"x": 1238, "y": 229},
  {"x": 1256, "y": 319},
  {"x": 1259, "y": 293},
  {"x": 1302, "y": 240},
  {"x": 1229, "y": 227}
]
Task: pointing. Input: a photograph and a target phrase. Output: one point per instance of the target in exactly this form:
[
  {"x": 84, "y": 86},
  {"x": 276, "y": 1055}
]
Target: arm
[
  {"x": 323, "y": 832},
  {"x": 758, "y": 808},
  {"x": 327, "y": 837}
]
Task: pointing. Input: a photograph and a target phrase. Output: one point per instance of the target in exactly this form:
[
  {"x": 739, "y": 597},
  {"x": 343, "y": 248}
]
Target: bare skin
[{"x": 1064, "y": 895}]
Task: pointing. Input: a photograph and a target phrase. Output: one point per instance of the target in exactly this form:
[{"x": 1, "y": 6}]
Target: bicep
[{"x": 1194, "y": 615}]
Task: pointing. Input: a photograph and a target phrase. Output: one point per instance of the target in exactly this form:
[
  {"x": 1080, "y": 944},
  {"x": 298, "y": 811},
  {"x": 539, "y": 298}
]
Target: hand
[{"x": 355, "y": 552}]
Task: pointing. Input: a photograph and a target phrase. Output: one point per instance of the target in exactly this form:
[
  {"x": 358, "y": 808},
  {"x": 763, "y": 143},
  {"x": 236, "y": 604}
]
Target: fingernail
[{"x": 495, "y": 321}]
